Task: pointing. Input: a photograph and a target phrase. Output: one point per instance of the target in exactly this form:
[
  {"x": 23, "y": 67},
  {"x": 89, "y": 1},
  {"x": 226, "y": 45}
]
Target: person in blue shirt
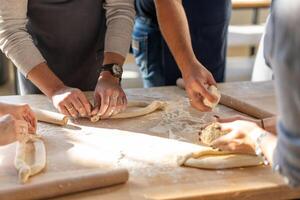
[
  {"x": 282, "y": 44},
  {"x": 174, "y": 38}
]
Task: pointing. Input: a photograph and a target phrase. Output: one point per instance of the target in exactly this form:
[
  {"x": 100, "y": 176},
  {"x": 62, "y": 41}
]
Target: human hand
[
  {"x": 197, "y": 80},
  {"x": 71, "y": 102},
  {"x": 109, "y": 96},
  {"x": 240, "y": 139},
  {"x": 21, "y": 112},
  {"x": 11, "y": 129}
]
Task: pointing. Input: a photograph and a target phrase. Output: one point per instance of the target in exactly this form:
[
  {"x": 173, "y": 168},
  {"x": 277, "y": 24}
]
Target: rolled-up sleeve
[
  {"x": 15, "y": 42},
  {"x": 119, "y": 21},
  {"x": 284, "y": 39}
]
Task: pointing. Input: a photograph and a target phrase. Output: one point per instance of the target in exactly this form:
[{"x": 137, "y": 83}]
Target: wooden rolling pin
[
  {"x": 80, "y": 182},
  {"x": 236, "y": 104},
  {"x": 50, "y": 117}
]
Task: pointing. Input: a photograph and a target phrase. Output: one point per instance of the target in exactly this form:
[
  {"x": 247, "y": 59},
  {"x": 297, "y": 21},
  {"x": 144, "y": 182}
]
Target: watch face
[{"x": 117, "y": 70}]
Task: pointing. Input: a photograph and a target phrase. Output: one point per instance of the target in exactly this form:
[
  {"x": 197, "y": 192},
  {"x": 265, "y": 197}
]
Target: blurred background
[{"x": 244, "y": 62}]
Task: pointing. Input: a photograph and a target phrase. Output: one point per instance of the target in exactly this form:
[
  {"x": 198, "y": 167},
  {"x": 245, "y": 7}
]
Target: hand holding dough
[
  {"x": 142, "y": 109},
  {"x": 213, "y": 90},
  {"x": 209, "y": 158},
  {"x": 211, "y": 133},
  {"x": 30, "y": 146}
]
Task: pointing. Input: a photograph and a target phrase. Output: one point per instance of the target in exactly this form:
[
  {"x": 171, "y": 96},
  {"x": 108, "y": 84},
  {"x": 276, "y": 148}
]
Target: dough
[
  {"x": 30, "y": 146},
  {"x": 213, "y": 90},
  {"x": 211, "y": 132},
  {"x": 140, "y": 109},
  {"x": 215, "y": 159},
  {"x": 224, "y": 161}
]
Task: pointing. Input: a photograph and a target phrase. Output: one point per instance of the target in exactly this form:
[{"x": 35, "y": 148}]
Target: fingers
[
  {"x": 205, "y": 93},
  {"x": 105, "y": 102},
  {"x": 79, "y": 107},
  {"x": 197, "y": 101},
  {"x": 211, "y": 80},
  {"x": 85, "y": 102},
  {"x": 112, "y": 105},
  {"x": 71, "y": 110}
]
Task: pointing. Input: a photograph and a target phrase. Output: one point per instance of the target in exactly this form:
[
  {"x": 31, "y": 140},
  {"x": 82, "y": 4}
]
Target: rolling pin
[
  {"x": 83, "y": 181},
  {"x": 50, "y": 117},
  {"x": 236, "y": 104}
]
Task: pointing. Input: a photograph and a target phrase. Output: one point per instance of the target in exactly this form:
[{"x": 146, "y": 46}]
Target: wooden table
[
  {"x": 238, "y": 4},
  {"x": 150, "y": 177}
]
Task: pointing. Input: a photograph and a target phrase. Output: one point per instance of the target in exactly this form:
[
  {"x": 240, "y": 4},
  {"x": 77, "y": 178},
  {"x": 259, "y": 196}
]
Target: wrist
[
  {"x": 106, "y": 75},
  {"x": 57, "y": 87},
  {"x": 188, "y": 68}
]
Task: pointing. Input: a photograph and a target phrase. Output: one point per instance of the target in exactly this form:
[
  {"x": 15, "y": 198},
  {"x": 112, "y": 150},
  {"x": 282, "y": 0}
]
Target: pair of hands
[
  {"x": 15, "y": 121},
  {"x": 109, "y": 99}
]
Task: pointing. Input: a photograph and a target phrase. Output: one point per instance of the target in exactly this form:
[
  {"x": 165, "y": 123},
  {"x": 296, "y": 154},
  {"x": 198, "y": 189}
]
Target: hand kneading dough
[
  {"x": 211, "y": 132},
  {"x": 30, "y": 147},
  {"x": 213, "y": 90},
  {"x": 209, "y": 158},
  {"x": 135, "y": 109}
]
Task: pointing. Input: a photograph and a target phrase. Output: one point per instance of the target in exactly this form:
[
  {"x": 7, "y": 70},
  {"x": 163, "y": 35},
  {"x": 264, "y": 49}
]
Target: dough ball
[
  {"x": 211, "y": 132},
  {"x": 213, "y": 90}
]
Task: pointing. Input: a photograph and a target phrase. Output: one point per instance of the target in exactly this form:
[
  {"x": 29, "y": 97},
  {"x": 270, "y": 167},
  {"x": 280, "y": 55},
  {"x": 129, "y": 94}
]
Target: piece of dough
[
  {"x": 211, "y": 132},
  {"x": 224, "y": 161},
  {"x": 213, "y": 90},
  {"x": 23, "y": 151},
  {"x": 215, "y": 159},
  {"x": 143, "y": 109}
]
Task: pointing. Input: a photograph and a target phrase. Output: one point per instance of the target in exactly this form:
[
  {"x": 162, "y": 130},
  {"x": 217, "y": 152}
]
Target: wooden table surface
[
  {"x": 238, "y": 4},
  {"x": 100, "y": 145}
]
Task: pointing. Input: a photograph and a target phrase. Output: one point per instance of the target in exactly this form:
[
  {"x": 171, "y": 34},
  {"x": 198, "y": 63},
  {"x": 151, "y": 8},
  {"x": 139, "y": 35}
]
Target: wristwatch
[{"x": 115, "y": 70}]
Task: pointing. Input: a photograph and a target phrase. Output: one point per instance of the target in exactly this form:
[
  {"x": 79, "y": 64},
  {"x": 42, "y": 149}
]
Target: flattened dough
[
  {"x": 30, "y": 157},
  {"x": 213, "y": 90},
  {"x": 136, "y": 109}
]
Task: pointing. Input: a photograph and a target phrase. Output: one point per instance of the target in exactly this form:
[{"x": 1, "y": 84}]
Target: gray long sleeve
[
  {"x": 282, "y": 47},
  {"x": 17, "y": 44},
  {"x": 119, "y": 21}
]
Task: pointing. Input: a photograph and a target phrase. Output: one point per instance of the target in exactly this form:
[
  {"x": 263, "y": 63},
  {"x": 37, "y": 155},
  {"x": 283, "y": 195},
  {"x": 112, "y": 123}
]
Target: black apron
[{"x": 70, "y": 35}]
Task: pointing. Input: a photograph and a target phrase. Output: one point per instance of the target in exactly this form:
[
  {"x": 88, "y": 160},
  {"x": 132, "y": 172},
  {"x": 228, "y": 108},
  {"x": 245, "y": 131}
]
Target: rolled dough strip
[
  {"x": 214, "y": 159},
  {"x": 50, "y": 117},
  {"x": 66, "y": 183},
  {"x": 26, "y": 170},
  {"x": 144, "y": 109},
  {"x": 224, "y": 161}
]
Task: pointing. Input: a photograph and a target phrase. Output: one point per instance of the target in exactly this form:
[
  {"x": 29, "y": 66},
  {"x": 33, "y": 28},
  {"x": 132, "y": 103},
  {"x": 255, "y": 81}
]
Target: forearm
[
  {"x": 47, "y": 85},
  {"x": 174, "y": 27}
]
